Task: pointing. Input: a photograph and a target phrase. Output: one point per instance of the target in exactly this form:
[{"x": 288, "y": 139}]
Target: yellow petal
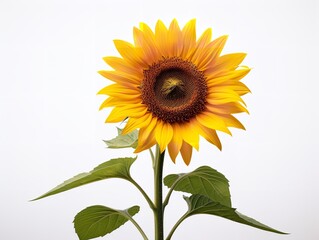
[
  {"x": 189, "y": 37},
  {"x": 227, "y": 108},
  {"x": 212, "y": 121},
  {"x": 149, "y": 37},
  {"x": 111, "y": 101},
  {"x": 134, "y": 110},
  {"x": 119, "y": 113},
  {"x": 121, "y": 78},
  {"x": 189, "y": 133},
  {"x": 227, "y": 76},
  {"x": 163, "y": 134},
  {"x": 226, "y": 62},
  {"x": 116, "y": 115},
  {"x": 119, "y": 64},
  {"x": 146, "y": 43},
  {"x": 146, "y": 131},
  {"x": 176, "y": 143},
  {"x": 167, "y": 134},
  {"x": 130, "y": 53},
  {"x": 229, "y": 99},
  {"x": 204, "y": 40},
  {"x": 212, "y": 91},
  {"x": 238, "y": 87},
  {"x": 147, "y": 144},
  {"x": 147, "y": 30},
  {"x": 210, "y": 135},
  {"x": 186, "y": 152},
  {"x": 173, "y": 150},
  {"x": 201, "y": 45},
  {"x": 146, "y": 137},
  {"x": 224, "y": 96},
  {"x": 231, "y": 121},
  {"x": 116, "y": 90},
  {"x": 135, "y": 123},
  {"x": 161, "y": 38},
  {"x": 107, "y": 103},
  {"x": 174, "y": 39},
  {"x": 210, "y": 53}
]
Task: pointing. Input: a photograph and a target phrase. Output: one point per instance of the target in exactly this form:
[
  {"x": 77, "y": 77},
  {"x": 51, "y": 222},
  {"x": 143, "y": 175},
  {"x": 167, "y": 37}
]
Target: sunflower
[{"x": 175, "y": 88}]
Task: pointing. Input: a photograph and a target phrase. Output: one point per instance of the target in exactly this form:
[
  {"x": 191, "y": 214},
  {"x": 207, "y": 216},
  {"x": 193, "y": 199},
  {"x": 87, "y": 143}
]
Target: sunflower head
[{"x": 175, "y": 87}]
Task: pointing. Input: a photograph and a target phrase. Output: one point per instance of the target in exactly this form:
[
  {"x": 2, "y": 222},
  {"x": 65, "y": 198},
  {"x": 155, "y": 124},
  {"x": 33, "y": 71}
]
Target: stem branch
[
  {"x": 170, "y": 193},
  {"x": 149, "y": 201},
  {"x": 176, "y": 225},
  {"x": 137, "y": 226}
]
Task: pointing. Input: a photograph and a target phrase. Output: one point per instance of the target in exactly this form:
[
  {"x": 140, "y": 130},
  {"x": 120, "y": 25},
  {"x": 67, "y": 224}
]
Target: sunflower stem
[{"x": 158, "y": 194}]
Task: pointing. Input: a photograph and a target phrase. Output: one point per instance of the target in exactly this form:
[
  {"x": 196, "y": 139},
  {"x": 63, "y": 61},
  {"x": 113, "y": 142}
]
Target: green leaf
[
  {"x": 205, "y": 181},
  {"x": 114, "y": 168},
  {"x": 97, "y": 221},
  {"x": 123, "y": 141},
  {"x": 198, "y": 204}
]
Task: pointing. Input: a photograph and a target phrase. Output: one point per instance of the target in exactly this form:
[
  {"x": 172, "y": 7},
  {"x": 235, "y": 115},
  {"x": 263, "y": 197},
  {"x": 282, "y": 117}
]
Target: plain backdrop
[{"x": 51, "y": 129}]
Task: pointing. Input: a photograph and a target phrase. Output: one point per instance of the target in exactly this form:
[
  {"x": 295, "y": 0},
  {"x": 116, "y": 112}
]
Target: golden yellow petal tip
[{"x": 174, "y": 21}]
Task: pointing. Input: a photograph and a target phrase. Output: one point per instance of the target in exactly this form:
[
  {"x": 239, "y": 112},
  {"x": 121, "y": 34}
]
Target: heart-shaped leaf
[
  {"x": 97, "y": 221},
  {"x": 114, "y": 168},
  {"x": 198, "y": 204},
  {"x": 205, "y": 181},
  {"x": 123, "y": 141}
]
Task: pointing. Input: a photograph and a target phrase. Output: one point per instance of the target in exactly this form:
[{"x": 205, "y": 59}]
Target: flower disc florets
[{"x": 174, "y": 90}]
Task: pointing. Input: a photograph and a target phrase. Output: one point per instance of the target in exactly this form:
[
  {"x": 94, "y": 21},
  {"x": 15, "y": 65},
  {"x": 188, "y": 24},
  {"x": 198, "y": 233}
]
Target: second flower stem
[{"x": 158, "y": 194}]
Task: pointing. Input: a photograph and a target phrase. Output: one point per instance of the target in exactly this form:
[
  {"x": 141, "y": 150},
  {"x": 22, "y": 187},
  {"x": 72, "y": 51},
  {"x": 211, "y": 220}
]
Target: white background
[{"x": 50, "y": 127}]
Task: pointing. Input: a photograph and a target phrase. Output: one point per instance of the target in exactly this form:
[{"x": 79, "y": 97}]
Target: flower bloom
[{"x": 174, "y": 87}]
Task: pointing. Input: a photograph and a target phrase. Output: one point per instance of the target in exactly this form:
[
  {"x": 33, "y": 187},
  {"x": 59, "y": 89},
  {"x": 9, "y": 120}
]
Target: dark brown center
[{"x": 174, "y": 90}]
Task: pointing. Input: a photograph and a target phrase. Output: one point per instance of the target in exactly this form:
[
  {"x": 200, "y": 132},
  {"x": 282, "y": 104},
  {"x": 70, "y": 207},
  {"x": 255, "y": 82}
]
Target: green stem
[
  {"x": 176, "y": 225},
  {"x": 137, "y": 226},
  {"x": 158, "y": 194}
]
